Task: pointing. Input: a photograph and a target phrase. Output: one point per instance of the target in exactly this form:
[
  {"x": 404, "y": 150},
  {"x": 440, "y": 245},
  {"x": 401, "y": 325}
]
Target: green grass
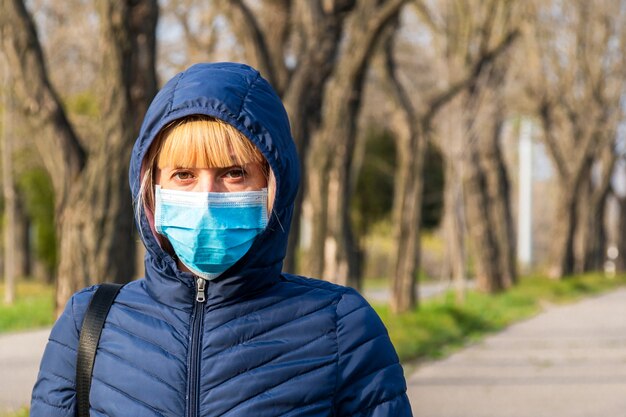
[
  {"x": 437, "y": 327},
  {"x": 441, "y": 325},
  {"x": 33, "y": 307},
  {"x": 23, "y": 412}
]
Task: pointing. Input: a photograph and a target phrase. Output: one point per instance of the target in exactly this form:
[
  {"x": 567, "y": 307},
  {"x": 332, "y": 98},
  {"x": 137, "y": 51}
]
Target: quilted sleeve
[
  {"x": 54, "y": 392},
  {"x": 370, "y": 378}
]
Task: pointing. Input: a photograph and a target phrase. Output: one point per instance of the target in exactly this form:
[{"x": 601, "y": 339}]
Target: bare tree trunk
[
  {"x": 486, "y": 183},
  {"x": 451, "y": 137},
  {"x": 407, "y": 220},
  {"x": 93, "y": 208},
  {"x": 505, "y": 232},
  {"x": 564, "y": 227},
  {"x": 100, "y": 222},
  {"x": 577, "y": 82},
  {"x": 333, "y": 243},
  {"x": 454, "y": 228},
  {"x": 572, "y": 217},
  {"x": 64, "y": 155},
  {"x": 9, "y": 193},
  {"x": 572, "y": 166},
  {"x": 595, "y": 253},
  {"x": 593, "y": 213},
  {"x": 341, "y": 259},
  {"x": 621, "y": 236},
  {"x": 583, "y": 227},
  {"x": 319, "y": 27},
  {"x": 448, "y": 134},
  {"x": 407, "y": 203},
  {"x": 489, "y": 219},
  {"x": 317, "y": 186},
  {"x": 333, "y": 237},
  {"x": 481, "y": 233},
  {"x": 499, "y": 190},
  {"x": 471, "y": 40},
  {"x": 409, "y": 181},
  {"x": 264, "y": 49}
]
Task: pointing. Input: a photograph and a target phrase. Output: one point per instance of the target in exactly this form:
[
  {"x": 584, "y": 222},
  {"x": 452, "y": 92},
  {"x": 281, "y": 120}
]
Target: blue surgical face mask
[{"x": 210, "y": 232}]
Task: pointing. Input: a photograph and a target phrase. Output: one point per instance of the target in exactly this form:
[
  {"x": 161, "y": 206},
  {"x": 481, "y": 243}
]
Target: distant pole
[
  {"x": 8, "y": 191},
  {"x": 524, "y": 214}
]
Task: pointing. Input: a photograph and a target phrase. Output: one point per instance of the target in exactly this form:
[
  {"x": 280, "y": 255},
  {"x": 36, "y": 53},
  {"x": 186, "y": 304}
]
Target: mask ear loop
[{"x": 148, "y": 211}]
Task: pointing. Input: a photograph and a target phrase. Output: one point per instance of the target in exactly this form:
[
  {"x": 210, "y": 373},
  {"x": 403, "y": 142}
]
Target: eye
[
  {"x": 182, "y": 175},
  {"x": 235, "y": 173}
]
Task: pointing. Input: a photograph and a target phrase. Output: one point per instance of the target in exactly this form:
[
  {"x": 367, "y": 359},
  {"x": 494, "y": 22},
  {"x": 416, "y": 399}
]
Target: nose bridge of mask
[
  {"x": 186, "y": 209},
  {"x": 201, "y": 199}
]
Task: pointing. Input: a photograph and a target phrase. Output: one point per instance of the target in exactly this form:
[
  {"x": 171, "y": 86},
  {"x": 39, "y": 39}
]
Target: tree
[
  {"x": 577, "y": 85},
  {"x": 591, "y": 237},
  {"x": 8, "y": 191},
  {"x": 93, "y": 210},
  {"x": 621, "y": 232},
  {"x": 315, "y": 54},
  {"x": 420, "y": 113},
  {"x": 486, "y": 187},
  {"x": 322, "y": 93},
  {"x": 331, "y": 157},
  {"x": 477, "y": 175}
]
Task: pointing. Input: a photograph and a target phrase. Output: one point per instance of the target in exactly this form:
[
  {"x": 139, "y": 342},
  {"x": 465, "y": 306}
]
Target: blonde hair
[
  {"x": 203, "y": 142},
  {"x": 198, "y": 141}
]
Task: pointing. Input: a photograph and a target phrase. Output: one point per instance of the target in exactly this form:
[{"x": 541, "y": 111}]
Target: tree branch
[
  {"x": 258, "y": 38},
  {"x": 363, "y": 43},
  {"x": 548, "y": 126},
  {"x": 397, "y": 88},
  {"x": 437, "y": 102},
  {"x": 427, "y": 16},
  {"x": 63, "y": 154}
]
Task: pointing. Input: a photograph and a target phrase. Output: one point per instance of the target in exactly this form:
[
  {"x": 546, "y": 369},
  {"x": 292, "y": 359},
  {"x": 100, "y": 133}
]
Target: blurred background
[
  {"x": 466, "y": 142},
  {"x": 470, "y": 148}
]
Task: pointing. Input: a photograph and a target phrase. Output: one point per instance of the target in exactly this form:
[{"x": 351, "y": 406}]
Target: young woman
[{"x": 215, "y": 328}]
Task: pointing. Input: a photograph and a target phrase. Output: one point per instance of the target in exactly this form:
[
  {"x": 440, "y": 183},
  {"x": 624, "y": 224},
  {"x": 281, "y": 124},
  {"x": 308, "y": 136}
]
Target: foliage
[
  {"x": 36, "y": 188},
  {"x": 432, "y": 195},
  {"x": 33, "y": 307},
  {"x": 441, "y": 325},
  {"x": 373, "y": 198}
]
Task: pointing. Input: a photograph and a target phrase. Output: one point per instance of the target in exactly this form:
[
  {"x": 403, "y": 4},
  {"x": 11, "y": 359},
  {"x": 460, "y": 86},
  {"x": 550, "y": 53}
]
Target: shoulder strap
[{"x": 88, "y": 342}]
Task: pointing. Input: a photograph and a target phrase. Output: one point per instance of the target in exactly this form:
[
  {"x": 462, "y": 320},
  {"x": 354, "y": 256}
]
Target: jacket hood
[{"x": 238, "y": 95}]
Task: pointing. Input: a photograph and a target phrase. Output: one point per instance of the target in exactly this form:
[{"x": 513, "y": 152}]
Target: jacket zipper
[{"x": 193, "y": 381}]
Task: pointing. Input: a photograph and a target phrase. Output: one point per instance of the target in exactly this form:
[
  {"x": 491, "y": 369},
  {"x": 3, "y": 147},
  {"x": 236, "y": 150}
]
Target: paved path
[
  {"x": 569, "y": 361},
  {"x": 20, "y": 354}
]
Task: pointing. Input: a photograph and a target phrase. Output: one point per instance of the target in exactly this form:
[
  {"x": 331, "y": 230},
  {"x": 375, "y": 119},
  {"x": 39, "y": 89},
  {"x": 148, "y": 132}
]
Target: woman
[{"x": 215, "y": 328}]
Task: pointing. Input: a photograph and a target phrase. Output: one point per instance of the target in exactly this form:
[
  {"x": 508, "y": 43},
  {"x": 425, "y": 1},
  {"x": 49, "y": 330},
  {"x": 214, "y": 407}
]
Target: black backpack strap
[{"x": 88, "y": 344}]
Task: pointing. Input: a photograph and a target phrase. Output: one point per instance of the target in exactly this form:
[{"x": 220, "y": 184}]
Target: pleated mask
[{"x": 210, "y": 231}]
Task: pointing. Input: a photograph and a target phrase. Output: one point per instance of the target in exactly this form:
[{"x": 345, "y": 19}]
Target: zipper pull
[{"x": 200, "y": 290}]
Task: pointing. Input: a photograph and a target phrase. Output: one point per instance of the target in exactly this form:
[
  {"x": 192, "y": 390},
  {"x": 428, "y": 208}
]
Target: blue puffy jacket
[{"x": 264, "y": 343}]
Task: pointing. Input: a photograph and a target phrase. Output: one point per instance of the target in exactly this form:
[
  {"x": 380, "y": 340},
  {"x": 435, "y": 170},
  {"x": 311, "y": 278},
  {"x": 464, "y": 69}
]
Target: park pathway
[
  {"x": 20, "y": 354},
  {"x": 569, "y": 361}
]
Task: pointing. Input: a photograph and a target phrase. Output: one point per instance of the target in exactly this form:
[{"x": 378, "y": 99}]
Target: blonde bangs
[{"x": 205, "y": 142}]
